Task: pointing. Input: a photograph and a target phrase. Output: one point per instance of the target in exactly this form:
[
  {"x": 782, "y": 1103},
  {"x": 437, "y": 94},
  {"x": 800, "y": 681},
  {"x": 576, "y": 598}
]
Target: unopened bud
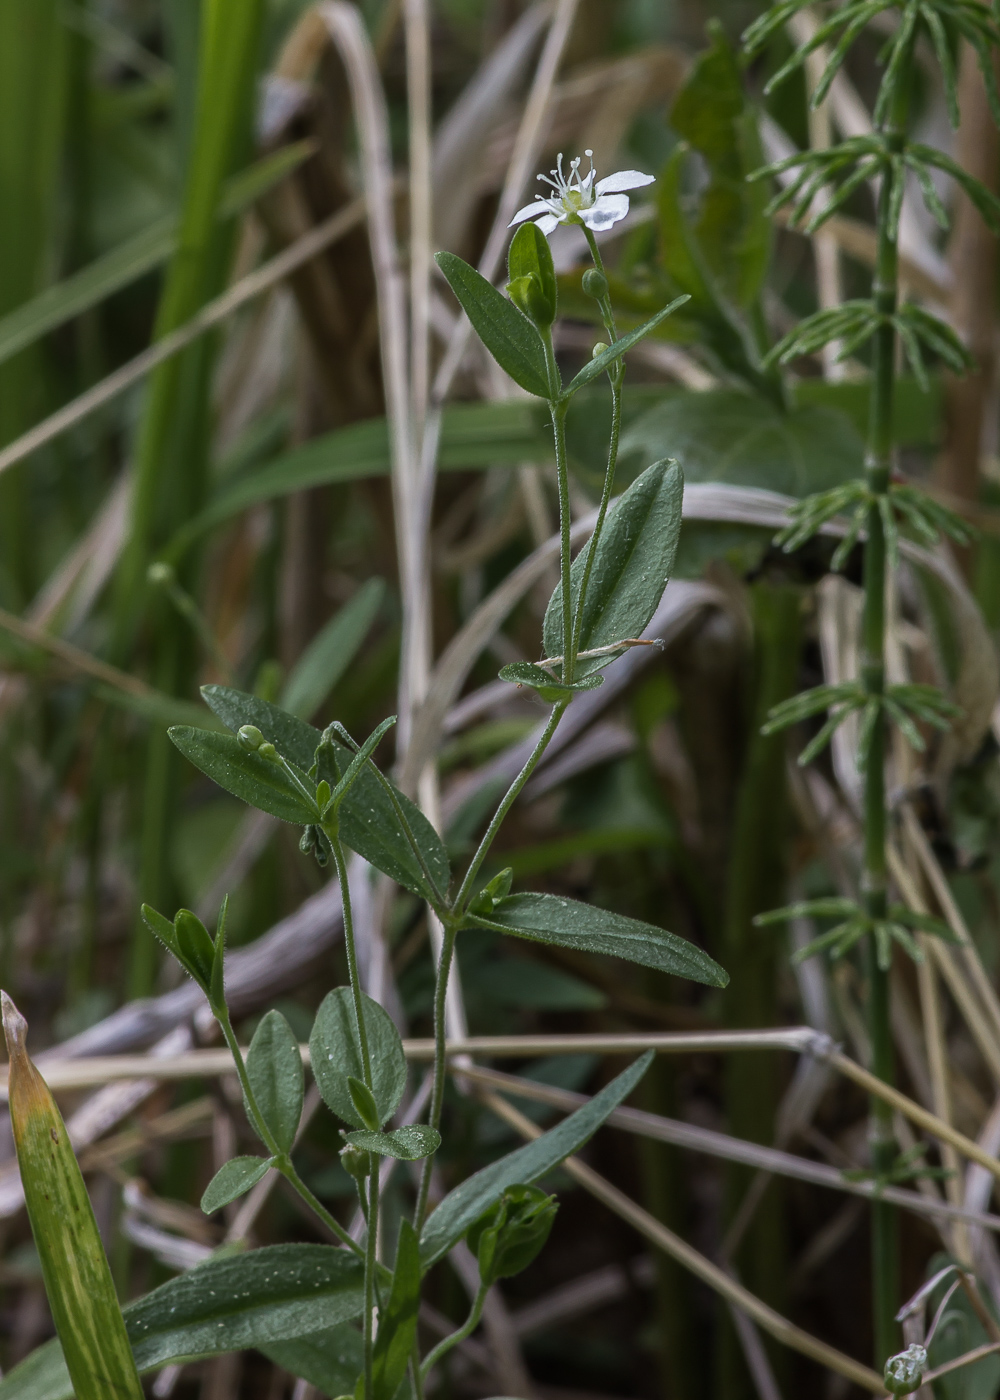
[
  {"x": 595, "y": 284},
  {"x": 355, "y": 1162},
  {"x": 267, "y": 750},
  {"x": 250, "y": 738},
  {"x": 160, "y": 574},
  {"x": 904, "y": 1372},
  {"x": 599, "y": 349}
]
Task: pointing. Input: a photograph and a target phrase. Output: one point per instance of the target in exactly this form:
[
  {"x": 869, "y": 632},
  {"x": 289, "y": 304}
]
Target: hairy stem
[
  {"x": 440, "y": 1044},
  {"x": 350, "y": 947},
  {"x": 558, "y": 412},
  {"x": 371, "y": 1264},
  {"x": 467, "y": 1328}
]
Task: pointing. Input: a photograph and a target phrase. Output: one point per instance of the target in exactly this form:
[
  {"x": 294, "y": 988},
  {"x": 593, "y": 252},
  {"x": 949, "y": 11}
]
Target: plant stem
[
  {"x": 468, "y": 1327},
  {"x": 878, "y": 470},
  {"x": 333, "y": 836},
  {"x": 371, "y": 1264},
  {"x": 558, "y": 412},
  {"x": 440, "y": 1041}
]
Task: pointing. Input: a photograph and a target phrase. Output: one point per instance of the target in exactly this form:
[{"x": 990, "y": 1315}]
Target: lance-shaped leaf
[
  {"x": 75, "y": 1269},
  {"x": 410, "y": 1143},
  {"x": 335, "y": 1056},
  {"x": 270, "y": 1295},
  {"x": 397, "y": 1324},
  {"x": 632, "y": 563},
  {"x": 463, "y": 1206},
  {"x": 508, "y": 335},
  {"x": 260, "y": 782},
  {"x": 369, "y": 821},
  {"x": 550, "y": 918},
  {"x": 601, "y": 363}
]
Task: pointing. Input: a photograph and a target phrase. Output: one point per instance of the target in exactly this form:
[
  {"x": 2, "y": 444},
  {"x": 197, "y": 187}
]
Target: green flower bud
[
  {"x": 512, "y": 1232},
  {"x": 161, "y": 574},
  {"x": 599, "y": 349},
  {"x": 904, "y": 1372},
  {"x": 490, "y": 895},
  {"x": 528, "y": 296},
  {"x": 250, "y": 738},
  {"x": 356, "y": 1162},
  {"x": 268, "y": 751},
  {"x": 595, "y": 284}
]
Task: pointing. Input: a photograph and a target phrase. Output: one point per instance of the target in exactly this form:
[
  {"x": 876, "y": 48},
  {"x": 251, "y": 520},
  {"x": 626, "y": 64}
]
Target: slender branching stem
[
  {"x": 440, "y": 1061},
  {"x": 333, "y": 835},
  {"x": 878, "y": 471},
  {"x": 371, "y": 1264},
  {"x": 416, "y": 1379},
  {"x": 282, "y": 1161},
  {"x": 467, "y": 1328}
]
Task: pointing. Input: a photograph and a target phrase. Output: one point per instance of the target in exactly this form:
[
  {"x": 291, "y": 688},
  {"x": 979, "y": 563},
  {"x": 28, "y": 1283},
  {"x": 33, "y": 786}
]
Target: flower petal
[
  {"x": 623, "y": 180},
  {"x": 528, "y": 212},
  {"x": 547, "y": 223},
  {"x": 607, "y": 211}
]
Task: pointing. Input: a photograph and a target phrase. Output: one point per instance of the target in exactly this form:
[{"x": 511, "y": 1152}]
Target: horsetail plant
[{"x": 881, "y": 503}]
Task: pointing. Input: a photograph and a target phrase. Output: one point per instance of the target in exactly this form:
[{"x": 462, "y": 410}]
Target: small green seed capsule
[
  {"x": 904, "y": 1372},
  {"x": 355, "y": 1161},
  {"x": 599, "y": 349},
  {"x": 268, "y": 751},
  {"x": 595, "y": 284},
  {"x": 250, "y": 738}
]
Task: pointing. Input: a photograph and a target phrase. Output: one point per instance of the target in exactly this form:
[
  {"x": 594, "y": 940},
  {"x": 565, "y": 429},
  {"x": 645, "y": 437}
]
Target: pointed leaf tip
[{"x": 15, "y": 1027}]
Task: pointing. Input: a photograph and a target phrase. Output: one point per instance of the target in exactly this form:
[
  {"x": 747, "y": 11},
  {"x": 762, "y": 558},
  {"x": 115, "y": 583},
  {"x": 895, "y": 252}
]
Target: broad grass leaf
[
  {"x": 397, "y": 1325},
  {"x": 331, "y": 651},
  {"x": 274, "y": 1068},
  {"x": 335, "y": 1055},
  {"x": 565, "y": 923},
  {"x": 274, "y": 1294},
  {"x": 253, "y": 779},
  {"x": 331, "y": 1359},
  {"x": 411, "y": 1143},
  {"x": 233, "y": 1179},
  {"x": 633, "y": 561},
  {"x": 463, "y": 1206},
  {"x": 509, "y": 337},
  {"x": 725, "y": 435}
]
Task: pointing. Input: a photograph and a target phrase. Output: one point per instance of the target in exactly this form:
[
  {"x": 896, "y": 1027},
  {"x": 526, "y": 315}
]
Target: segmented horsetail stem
[{"x": 75, "y": 1268}]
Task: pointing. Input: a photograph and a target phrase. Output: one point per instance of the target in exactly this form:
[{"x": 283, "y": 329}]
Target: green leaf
[
  {"x": 331, "y": 1360},
  {"x": 632, "y": 563},
  {"x": 233, "y": 1179},
  {"x": 724, "y": 435},
  {"x": 335, "y": 1055},
  {"x": 712, "y": 115},
  {"x": 594, "y": 368},
  {"x": 253, "y": 779},
  {"x": 135, "y": 257},
  {"x": 463, "y": 1206},
  {"x": 565, "y": 923},
  {"x": 529, "y": 264},
  {"x": 269, "y": 1295},
  {"x": 274, "y": 1068},
  {"x": 548, "y": 686},
  {"x": 397, "y": 1324},
  {"x": 331, "y": 651},
  {"x": 364, "y": 1104},
  {"x": 410, "y": 1143},
  {"x": 509, "y": 337},
  {"x": 75, "y": 1272},
  {"x": 368, "y": 820}
]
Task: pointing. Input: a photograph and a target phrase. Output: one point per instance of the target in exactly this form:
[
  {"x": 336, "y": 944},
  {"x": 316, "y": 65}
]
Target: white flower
[{"x": 578, "y": 200}]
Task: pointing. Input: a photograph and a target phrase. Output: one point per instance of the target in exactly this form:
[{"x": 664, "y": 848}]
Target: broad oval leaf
[
  {"x": 274, "y": 1294},
  {"x": 509, "y": 337},
  {"x": 233, "y": 1179},
  {"x": 336, "y": 1057},
  {"x": 550, "y": 918},
  {"x": 331, "y": 1360},
  {"x": 368, "y": 820},
  {"x": 274, "y": 1068},
  {"x": 410, "y": 1143},
  {"x": 249, "y": 777},
  {"x": 463, "y": 1206},
  {"x": 633, "y": 561}
]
